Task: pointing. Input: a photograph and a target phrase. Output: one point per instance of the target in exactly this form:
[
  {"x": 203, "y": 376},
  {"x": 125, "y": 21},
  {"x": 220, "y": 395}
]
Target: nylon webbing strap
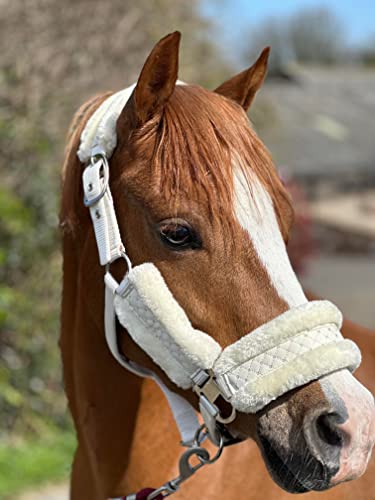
[
  {"x": 98, "y": 141},
  {"x": 99, "y": 200}
]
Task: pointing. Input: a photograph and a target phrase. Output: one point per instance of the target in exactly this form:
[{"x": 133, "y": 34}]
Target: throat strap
[{"x": 183, "y": 413}]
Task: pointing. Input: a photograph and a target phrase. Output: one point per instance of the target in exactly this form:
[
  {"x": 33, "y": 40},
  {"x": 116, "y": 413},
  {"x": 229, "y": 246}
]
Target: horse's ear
[
  {"x": 243, "y": 87},
  {"x": 157, "y": 79}
]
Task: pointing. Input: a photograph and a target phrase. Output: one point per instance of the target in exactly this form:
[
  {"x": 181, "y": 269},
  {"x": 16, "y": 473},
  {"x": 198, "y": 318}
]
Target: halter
[{"x": 300, "y": 345}]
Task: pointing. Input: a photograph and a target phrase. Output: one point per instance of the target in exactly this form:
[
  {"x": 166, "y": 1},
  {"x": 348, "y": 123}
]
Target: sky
[{"x": 234, "y": 17}]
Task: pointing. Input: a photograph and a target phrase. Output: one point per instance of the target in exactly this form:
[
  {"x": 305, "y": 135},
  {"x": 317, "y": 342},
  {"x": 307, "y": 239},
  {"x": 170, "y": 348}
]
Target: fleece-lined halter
[{"x": 300, "y": 345}]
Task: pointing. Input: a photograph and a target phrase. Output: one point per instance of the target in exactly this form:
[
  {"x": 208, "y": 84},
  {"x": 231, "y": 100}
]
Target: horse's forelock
[{"x": 200, "y": 137}]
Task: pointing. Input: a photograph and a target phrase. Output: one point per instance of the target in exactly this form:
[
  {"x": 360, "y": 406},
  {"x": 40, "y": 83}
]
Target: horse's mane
[{"x": 199, "y": 139}]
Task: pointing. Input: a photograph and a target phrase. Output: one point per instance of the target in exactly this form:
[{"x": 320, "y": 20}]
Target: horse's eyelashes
[{"x": 177, "y": 234}]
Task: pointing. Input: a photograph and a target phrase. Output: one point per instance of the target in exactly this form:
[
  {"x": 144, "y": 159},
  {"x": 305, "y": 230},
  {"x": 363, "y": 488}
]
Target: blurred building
[{"x": 318, "y": 123}]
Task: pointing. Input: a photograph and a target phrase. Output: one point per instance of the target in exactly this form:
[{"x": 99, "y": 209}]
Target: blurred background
[{"x": 315, "y": 114}]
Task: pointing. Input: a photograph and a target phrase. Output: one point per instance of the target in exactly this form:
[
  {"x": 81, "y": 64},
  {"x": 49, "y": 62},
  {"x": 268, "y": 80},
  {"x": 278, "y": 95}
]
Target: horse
[{"x": 196, "y": 193}]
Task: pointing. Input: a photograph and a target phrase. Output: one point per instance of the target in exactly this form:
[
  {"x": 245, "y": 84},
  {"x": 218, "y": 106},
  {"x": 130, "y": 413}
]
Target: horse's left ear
[{"x": 243, "y": 87}]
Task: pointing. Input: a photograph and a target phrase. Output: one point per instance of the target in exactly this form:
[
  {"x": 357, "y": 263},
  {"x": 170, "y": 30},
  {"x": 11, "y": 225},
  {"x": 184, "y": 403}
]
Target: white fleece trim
[
  {"x": 275, "y": 332},
  {"x": 100, "y": 130},
  {"x": 159, "y": 325},
  {"x": 312, "y": 365},
  {"x": 300, "y": 345}
]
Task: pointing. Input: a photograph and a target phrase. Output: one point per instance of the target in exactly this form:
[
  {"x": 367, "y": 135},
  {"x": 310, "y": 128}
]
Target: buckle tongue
[{"x": 95, "y": 184}]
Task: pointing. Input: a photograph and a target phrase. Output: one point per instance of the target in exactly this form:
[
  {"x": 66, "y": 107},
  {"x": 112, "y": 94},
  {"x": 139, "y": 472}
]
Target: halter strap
[
  {"x": 98, "y": 141},
  {"x": 99, "y": 200}
]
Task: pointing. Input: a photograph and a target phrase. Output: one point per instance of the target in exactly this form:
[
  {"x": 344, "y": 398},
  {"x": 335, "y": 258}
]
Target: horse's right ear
[{"x": 157, "y": 80}]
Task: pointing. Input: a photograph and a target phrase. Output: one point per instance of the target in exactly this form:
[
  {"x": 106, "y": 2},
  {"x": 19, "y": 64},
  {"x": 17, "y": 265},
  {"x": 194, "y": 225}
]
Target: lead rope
[{"x": 186, "y": 469}]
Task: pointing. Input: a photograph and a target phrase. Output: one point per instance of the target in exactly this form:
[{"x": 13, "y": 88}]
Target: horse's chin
[{"x": 285, "y": 475}]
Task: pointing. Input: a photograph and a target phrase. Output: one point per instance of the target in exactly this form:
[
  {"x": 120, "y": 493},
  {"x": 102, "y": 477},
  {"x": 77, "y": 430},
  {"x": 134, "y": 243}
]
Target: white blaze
[{"x": 255, "y": 213}]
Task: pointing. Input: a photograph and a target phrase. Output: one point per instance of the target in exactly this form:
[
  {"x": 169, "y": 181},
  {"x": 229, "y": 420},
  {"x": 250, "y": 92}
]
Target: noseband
[{"x": 300, "y": 345}]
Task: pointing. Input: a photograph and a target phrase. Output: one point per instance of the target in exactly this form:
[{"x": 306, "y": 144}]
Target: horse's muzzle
[{"x": 315, "y": 442}]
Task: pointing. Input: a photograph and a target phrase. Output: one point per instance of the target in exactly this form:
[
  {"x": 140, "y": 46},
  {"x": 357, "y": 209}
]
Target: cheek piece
[{"x": 300, "y": 345}]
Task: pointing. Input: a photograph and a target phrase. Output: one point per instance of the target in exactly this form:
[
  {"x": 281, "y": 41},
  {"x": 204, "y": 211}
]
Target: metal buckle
[
  {"x": 93, "y": 161},
  {"x": 208, "y": 390},
  {"x": 205, "y": 384}
]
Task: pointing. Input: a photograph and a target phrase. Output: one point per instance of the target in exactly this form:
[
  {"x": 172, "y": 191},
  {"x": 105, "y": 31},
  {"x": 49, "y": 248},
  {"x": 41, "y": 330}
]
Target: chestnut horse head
[{"x": 196, "y": 194}]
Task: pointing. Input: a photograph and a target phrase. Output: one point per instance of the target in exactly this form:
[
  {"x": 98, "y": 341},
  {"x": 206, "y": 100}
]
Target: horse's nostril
[
  {"x": 324, "y": 438},
  {"x": 328, "y": 430}
]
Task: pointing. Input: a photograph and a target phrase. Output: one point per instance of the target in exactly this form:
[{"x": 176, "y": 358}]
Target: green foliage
[
  {"x": 30, "y": 374},
  {"x": 15, "y": 216},
  {"x": 30, "y": 463}
]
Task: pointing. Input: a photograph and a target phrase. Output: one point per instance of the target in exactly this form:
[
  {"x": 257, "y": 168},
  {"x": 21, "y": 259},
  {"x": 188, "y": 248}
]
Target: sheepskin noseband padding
[
  {"x": 299, "y": 346},
  {"x": 146, "y": 307}
]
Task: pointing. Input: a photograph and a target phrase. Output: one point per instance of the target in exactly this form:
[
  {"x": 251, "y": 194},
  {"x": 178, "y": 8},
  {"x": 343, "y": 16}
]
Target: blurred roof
[{"x": 319, "y": 120}]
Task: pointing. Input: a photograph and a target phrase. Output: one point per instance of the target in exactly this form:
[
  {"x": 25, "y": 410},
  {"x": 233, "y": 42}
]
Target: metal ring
[
  {"x": 125, "y": 256},
  {"x": 200, "y": 437},
  {"x": 227, "y": 420},
  {"x": 217, "y": 454}
]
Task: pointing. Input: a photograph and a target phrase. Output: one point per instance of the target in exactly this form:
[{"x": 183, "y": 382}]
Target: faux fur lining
[
  {"x": 323, "y": 360},
  {"x": 275, "y": 332},
  {"x": 159, "y": 325},
  {"x": 100, "y": 130}
]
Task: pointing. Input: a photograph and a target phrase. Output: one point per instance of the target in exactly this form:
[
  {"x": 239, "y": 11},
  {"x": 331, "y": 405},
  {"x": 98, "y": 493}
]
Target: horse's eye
[{"x": 179, "y": 235}]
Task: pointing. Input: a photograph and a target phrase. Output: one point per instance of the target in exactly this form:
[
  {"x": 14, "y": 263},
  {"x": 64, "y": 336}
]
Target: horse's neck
[
  {"x": 365, "y": 339},
  {"x": 120, "y": 418}
]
